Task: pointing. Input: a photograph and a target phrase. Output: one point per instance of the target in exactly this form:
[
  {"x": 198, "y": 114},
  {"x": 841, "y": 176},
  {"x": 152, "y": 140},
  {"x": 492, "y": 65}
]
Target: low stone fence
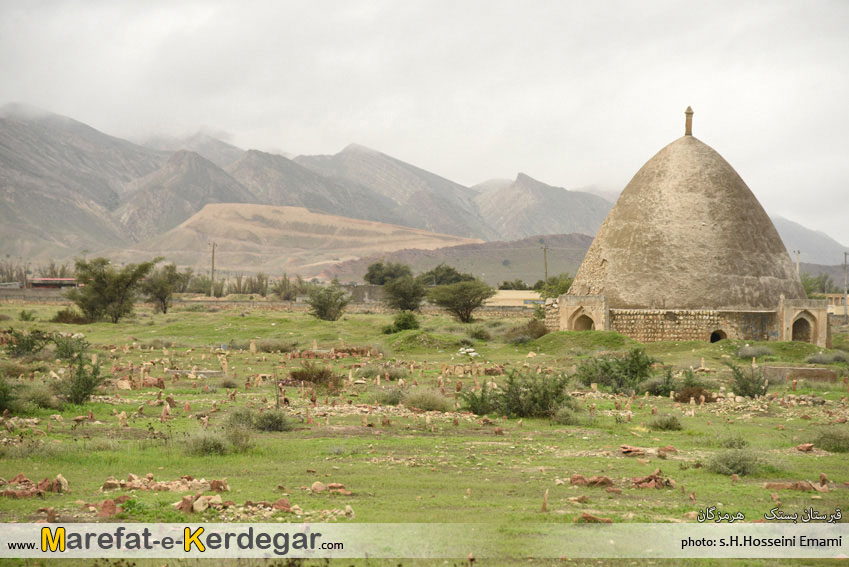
[{"x": 789, "y": 373}]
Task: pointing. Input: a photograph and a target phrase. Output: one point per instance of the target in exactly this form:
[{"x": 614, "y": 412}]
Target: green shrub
[
  {"x": 206, "y": 444},
  {"x": 480, "y": 402},
  {"x": 756, "y": 351},
  {"x": 38, "y": 396},
  {"x": 427, "y": 400},
  {"x": 659, "y": 385},
  {"x": 26, "y": 315},
  {"x": 834, "y": 441},
  {"x": 82, "y": 383},
  {"x": 734, "y": 461},
  {"x": 404, "y": 321},
  {"x": 69, "y": 347},
  {"x": 566, "y": 416},
  {"x": 316, "y": 374},
  {"x": 749, "y": 384},
  {"x": 529, "y": 331},
  {"x": 665, "y": 423},
  {"x": 328, "y": 302},
  {"x": 368, "y": 372},
  {"x": 690, "y": 380},
  {"x": 273, "y": 420},
  {"x": 390, "y": 396},
  {"x": 4, "y": 317},
  {"x": 12, "y": 368},
  {"x": 620, "y": 374},
  {"x": 240, "y": 439},
  {"x": 228, "y": 384},
  {"x": 241, "y": 417},
  {"x": 694, "y": 392},
  {"x": 275, "y": 345},
  {"x": 69, "y": 316},
  {"x": 22, "y": 343},
  {"x": 8, "y": 394},
  {"x": 827, "y": 358},
  {"x": 533, "y": 395},
  {"x": 734, "y": 442},
  {"x": 479, "y": 333}
]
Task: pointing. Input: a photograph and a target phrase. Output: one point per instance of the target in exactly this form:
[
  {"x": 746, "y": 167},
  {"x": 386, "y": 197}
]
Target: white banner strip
[{"x": 773, "y": 540}]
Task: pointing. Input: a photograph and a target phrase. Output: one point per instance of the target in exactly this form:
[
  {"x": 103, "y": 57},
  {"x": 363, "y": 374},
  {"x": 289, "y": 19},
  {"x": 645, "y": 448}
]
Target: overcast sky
[{"x": 571, "y": 93}]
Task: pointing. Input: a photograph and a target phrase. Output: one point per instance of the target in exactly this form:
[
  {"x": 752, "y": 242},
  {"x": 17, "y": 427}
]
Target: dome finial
[{"x": 688, "y": 126}]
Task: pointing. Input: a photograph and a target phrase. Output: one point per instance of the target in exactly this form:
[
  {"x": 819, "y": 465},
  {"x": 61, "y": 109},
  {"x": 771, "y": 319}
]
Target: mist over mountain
[{"x": 66, "y": 188}]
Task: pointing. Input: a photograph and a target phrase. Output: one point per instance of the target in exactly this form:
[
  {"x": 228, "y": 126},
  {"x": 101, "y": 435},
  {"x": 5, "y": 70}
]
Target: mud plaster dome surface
[{"x": 687, "y": 233}]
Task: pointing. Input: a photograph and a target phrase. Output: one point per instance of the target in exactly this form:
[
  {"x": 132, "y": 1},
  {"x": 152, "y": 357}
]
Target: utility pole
[
  {"x": 845, "y": 286},
  {"x": 545, "y": 260},
  {"x": 797, "y": 262},
  {"x": 212, "y": 273}
]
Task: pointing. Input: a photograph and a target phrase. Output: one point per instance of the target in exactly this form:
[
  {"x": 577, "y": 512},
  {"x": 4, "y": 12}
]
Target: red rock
[
  {"x": 805, "y": 447},
  {"x": 282, "y": 504},
  {"x": 220, "y": 485},
  {"x": 334, "y": 485},
  {"x": 578, "y": 479},
  {"x": 185, "y": 505},
  {"x": 108, "y": 508},
  {"x": 45, "y": 485},
  {"x": 590, "y": 519},
  {"x": 599, "y": 481},
  {"x": 613, "y": 490},
  {"x": 20, "y": 478},
  {"x": 630, "y": 451}
]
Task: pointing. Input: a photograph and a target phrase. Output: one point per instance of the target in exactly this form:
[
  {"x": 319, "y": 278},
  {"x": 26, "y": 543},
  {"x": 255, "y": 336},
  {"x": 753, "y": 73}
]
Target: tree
[
  {"x": 814, "y": 285},
  {"x": 461, "y": 298},
  {"x": 405, "y": 293},
  {"x": 380, "y": 273},
  {"x": 161, "y": 285},
  {"x": 555, "y": 286},
  {"x": 107, "y": 290},
  {"x": 515, "y": 284},
  {"x": 328, "y": 302},
  {"x": 444, "y": 275}
]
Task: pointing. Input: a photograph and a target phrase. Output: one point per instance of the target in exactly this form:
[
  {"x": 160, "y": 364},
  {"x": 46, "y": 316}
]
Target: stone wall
[
  {"x": 552, "y": 315},
  {"x": 649, "y": 325}
]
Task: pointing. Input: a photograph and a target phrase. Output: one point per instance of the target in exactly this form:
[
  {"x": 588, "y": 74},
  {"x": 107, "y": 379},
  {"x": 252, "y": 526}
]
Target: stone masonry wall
[
  {"x": 681, "y": 325},
  {"x": 552, "y": 315}
]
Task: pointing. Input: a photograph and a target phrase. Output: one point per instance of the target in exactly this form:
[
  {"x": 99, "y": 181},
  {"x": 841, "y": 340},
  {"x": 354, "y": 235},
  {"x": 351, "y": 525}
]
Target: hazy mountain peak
[{"x": 359, "y": 149}]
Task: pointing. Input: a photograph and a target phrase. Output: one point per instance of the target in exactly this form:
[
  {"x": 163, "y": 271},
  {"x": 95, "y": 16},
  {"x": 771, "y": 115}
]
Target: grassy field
[{"x": 399, "y": 463}]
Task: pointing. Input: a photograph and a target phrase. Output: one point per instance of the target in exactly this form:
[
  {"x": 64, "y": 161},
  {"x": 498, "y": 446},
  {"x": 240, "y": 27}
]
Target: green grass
[{"x": 411, "y": 469}]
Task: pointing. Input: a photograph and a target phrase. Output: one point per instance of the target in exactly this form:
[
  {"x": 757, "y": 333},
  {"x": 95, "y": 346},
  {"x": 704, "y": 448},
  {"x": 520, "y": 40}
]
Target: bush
[
  {"x": 565, "y": 416},
  {"x": 404, "y": 293},
  {"x": 827, "y": 358},
  {"x": 316, "y": 374},
  {"x": 749, "y": 384},
  {"x": 694, "y": 392},
  {"x": 228, "y": 384},
  {"x": 390, "y": 396},
  {"x": 533, "y": 395},
  {"x": 427, "y": 400},
  {"x": 665, "y": 423},
  {"x": 480, "y": 402},
  {"x": 734, "y": 442},
  {"x": 621, "y": 374},
  {"x": 4, "y": 317},
  {"x": 275, "y": 345},
  {"x": 241, "y": 417},
  {"x": 734, "y": 461},
  {"x": 82, "y": 383},
  {"x": 328, "y": 302},
  {"x": 461, "y": 299},
  {"x": 756, "y": 351},
  {"x": 272, "y": 420},
  {"x": 37, "y": 396},
  {"x": 659, "y": 386},
  {"x": 69, "y": 316},
  {"x": 206, "y": 444},
  {"x": 479, "y": 333},
  {"x": 834, "y": 441},
  {"x": 69, "y": 347},
  {"x": 8, "y": 394},
  {"x": 527, "y": 332},
  {"x": 25, "y": 315},
  {"x": 22, "y": 343},
  {"x": 240, "y": 439},
  {"x": 106, "y": 290},
  {"x": 12, "y": 368},
  {"x": 405, "y": 320}
]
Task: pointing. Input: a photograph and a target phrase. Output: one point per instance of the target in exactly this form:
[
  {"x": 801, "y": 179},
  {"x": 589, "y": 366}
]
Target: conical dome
[{"x": 687, "y": 233}]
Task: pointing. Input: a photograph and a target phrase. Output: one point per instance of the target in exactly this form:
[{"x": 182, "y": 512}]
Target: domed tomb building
[{"x": 688, "y": 253}]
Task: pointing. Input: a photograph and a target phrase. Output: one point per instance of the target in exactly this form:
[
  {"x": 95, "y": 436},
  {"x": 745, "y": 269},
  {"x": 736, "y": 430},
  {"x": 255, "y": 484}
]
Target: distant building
[
  {"x": 53, "y": 283},
  {"x": 688, "y": 253},
  {"x": 515, "y": 298}
]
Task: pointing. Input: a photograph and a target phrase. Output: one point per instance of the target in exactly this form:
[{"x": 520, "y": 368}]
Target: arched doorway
[
  {"x": 584, "y": 323},
  {"x": 802, "y": 330},
  {"x": 717, "y": 336}
]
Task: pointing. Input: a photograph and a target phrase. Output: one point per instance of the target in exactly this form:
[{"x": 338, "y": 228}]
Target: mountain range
[{"x": 66, "y": 188}]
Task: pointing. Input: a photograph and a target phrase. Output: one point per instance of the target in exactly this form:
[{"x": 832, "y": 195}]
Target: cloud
[{"x": 572, "y": 93}]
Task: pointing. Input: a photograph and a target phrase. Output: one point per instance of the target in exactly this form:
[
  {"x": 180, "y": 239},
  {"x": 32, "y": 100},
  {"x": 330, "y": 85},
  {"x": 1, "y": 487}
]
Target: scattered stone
[{"x": 318, "y": 486}]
